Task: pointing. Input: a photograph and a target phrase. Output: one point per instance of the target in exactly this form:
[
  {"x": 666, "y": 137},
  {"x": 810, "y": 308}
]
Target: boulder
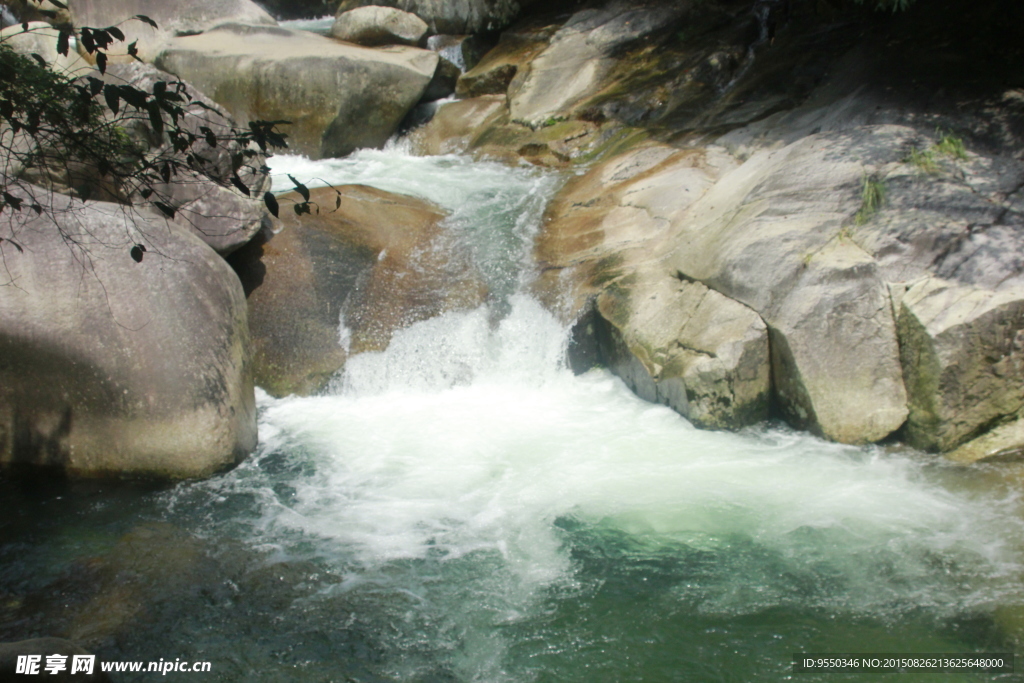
[
  {"x": 774, "y": 234},
  {"x": 112, "y": 367},
  {"x": 372, "y": 25},
  {"x": 44, "y": 647},
  {"x": 672, "y": 340},
  {"x": 455, "y": 124},
  {"x": 453, "y": 16},
  {"x": 206, "y": 202},
  {"x": 204, "y": 199},
  {"x": 494, "y": 71},
  {"x": 41, "y": 39},
  {"x": 963, "y": 358},
  {"x": 681, "y": 344},
  {"x": 446, "y": 77},
  {"x": 338, "y": 97},
  {"x": 177, "y": 18},
  {"x": 1005, "y": 440},
  {"x": 580, "y": 55},
  {"x": 338, "y": 283}
]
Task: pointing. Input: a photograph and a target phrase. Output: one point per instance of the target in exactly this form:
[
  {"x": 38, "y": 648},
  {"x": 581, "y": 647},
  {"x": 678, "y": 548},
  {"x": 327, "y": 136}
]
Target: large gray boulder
[
  {"x": 453, "y": 16},
  {"x": 372, "y": 25},
  {"x": 112, "y": 367},
  {"x": 203, "y": 197},
  {"x": 688, "y": 347},
  {"x": 672, "y": 340},
  {"x": 338, "y": 97},
  {"x": 41, "y": 39},
  {"x": 172, "y": 17},
  {"x": 774, "y": 235},
  {"x": 205, "y": 200}
]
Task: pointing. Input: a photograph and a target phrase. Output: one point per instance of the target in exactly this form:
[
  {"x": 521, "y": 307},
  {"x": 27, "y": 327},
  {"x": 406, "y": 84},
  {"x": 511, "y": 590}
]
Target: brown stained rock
[
  {"x": 495, "y": 71},
  {"x": 381, "y": 262}
]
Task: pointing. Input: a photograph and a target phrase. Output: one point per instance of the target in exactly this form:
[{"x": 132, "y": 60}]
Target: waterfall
[
  {"x": 7, "y": 17},
  {"x": 509, "y": 521}
]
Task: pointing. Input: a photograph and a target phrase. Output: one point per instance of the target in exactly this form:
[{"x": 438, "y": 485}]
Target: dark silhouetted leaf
[
  {"x": 59, "y": 4},
  {"x": 337, "y": 203},
  {"x": 134, "y": 51},
  {"x": 137, "y": 251},
  {"x": 111, "y": 94},
  {"x": 115, "y": 32},
  {"x": 144, "y": 18},
  {"x": 14, "y": 202},
  {"x": 155, "y": 119},
  {"x": 237, "y": 182},
  {"x": 299, "y": 187},
  {"x": 271, "y": 201},
  {"x": 87, "y": 40},
  {"x": 39, "y": 60},
  {"x": 95, "y": 85},
  {"x": 168, "y": 211},
  {"x": 101, "y": 62},
  {"x": 64, "y": 42}
]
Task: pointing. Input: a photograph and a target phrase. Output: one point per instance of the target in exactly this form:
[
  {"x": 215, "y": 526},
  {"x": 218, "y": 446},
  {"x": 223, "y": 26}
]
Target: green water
[{"x": 463, "y": 508}]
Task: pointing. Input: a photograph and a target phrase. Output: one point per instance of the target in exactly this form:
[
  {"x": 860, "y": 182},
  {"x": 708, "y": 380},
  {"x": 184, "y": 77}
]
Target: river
[{"x": 461, "y": 507}]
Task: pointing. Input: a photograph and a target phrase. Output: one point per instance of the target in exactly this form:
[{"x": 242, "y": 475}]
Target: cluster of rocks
[
  {"x": 753, "y": 233},
  {"x": 113, "y": 367},
  {"x": 745, "y": 231}
]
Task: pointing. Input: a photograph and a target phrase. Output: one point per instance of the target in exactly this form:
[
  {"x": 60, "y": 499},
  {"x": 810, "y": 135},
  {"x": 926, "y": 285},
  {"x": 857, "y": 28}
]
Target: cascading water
[
  {"x": 535, "y": 525},
  {"x": 460, "y": 507}
]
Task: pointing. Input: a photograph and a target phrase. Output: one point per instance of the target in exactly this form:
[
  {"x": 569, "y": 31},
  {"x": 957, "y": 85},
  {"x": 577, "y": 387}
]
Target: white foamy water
[
  {"x": 465, "y": 471},
  {"x": 321, "y": 25}
]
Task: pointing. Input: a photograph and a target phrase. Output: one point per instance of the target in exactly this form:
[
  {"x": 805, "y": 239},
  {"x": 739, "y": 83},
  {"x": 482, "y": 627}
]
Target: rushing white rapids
[{"x": 466, "y": 469}]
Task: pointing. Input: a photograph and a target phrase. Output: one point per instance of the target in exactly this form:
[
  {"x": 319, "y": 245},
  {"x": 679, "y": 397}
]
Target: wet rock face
[
  {"x": 371, "y": 26},
  {"x": 183, "y": 17},
  {"x": 688, "y": 347},
  {"x": 671, "y": 339},
  {"x": 337, "y": 284},
  {"x": 338, "y": 97},
  {"x": 453, "y": 16},
  {"x": 112, "y": 367}
]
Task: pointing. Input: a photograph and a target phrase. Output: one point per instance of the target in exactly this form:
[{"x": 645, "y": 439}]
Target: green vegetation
[
  {"x": 951, "y": 146},
  {"x": 872, "y": 197},
  {"x": 927, "y": 160},
  {"x": 83, "y": 135}
]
